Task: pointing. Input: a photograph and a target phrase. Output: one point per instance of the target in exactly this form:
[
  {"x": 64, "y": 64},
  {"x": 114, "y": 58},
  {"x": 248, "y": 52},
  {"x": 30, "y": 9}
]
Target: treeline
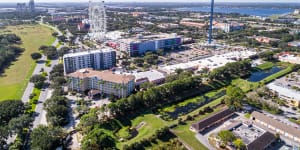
[
  {"x": 8, "y": 51},
  {"x": 57, "y": 106},
  {"x": 155, "y": 96}
]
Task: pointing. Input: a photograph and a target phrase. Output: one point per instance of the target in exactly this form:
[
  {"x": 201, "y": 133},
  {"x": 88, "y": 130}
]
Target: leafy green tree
[
  {"x": 38, "y": 80},
  {"x": 226, "y": 136},
  {"x": 46, "y": 137},
  {"x": 4, "y": 134},
  {"x": 287, "y": 38},
  {"x": 64, "y": 50},
  {"x": 10, "y": 109},
  {"x": 138, "y": 61},
  {"x": 57, "y": 110},
  {"x": 36, "y": 56},
  {"x": 234, "y": 97},
  {"x": 19, "y": 123},
  {"x": 239, "y": 144},
  {"x": 98, "y": 139},
  {"x": 147, "y": 85}
]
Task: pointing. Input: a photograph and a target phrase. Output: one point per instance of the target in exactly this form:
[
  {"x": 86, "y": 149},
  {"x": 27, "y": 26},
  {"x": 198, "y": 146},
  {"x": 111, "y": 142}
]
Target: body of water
[
  {"x": 260, "y": 75},
  {"x": 253, "y": 11}
]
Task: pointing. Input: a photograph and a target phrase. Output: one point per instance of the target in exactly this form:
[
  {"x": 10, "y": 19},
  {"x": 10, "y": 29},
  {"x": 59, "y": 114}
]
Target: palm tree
[{"x": 101, "y": 82}]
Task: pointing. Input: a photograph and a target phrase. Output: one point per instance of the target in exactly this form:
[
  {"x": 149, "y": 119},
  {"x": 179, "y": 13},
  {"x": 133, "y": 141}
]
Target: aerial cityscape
[{"x": 149, "y": 75}]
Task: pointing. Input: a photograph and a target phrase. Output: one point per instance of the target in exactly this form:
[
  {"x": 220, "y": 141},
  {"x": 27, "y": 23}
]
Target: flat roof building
[
  {"x": 141, "y": 44},
  {"x": 286, "y": 93},
  {"x": 97, "y": 59}
]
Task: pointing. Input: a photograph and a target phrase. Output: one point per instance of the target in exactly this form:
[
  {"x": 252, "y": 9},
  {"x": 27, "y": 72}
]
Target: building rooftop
[
  {"x": 248, "y": 133},
  {"x": 212, "y": 62},
  {"x": 104, "y": 75},
  {"x": 276, "y": 124},
  {"x": 199, "y": 126},
  {"x": 287, "y": 92},
  {"x": 152, "y": 75},
  {"x": 89, "y": 52},
  {"x": 262, "y": 142},
  {"x": 141, "y": 38}
]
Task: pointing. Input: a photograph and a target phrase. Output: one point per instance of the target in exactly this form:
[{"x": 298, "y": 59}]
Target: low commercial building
[
  {"x": 152, "y": 76},
  {"x": 212, "y": 121},
  {"x": 100, "y": 59},
  {"x": 276, "y": 126},
  {"x": 292, "y": 97},
  {"x": 168, "y": 25},
  {"x": 193, "y": 24},
  {"x": 141, "y": 44},
  {"x": 229, "y": 27},
  {"x": 101, "y": 82},
  {"x": 287, "y": 57},
  {"x": 263, "y": 39}
]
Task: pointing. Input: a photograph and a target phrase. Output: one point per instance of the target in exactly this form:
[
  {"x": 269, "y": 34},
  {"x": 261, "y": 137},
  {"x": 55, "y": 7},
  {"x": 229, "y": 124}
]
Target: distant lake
[
  {"x": 260, "y": 75},
  {"x": 263, "y": 12}
]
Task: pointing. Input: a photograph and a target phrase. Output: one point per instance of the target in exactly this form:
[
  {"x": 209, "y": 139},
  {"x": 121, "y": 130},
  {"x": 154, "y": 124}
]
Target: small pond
[{"x": 260, "y": 75}]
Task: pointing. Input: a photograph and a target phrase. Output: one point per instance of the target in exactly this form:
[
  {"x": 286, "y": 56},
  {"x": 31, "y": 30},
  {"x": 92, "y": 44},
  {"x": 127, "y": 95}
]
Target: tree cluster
[
  {"x": 231, "y": 70},
  {"x": 98, "y": 139},
  {"x": 13, "y": 119},
  {"x": 159, "y": 134},
  {"x": 38, "y": 81},
  {"x": 49, "y": 51},
  {"x": 8, "y": 51},
  {"x": 155, "y": 96},
  {"x": 57, "y": 110},
  {"x": 46, "y": 137}
]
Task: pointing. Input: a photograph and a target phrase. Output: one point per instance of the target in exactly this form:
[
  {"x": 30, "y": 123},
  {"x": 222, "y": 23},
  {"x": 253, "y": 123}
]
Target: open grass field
[
  {"x": 15, "y": 78},
  {"x": 151, "y": 124}
]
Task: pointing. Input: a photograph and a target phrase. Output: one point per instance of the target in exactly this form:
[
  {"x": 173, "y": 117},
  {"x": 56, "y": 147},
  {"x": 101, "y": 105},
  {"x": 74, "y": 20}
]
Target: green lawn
[
  {"x": 191, "y": 100},
  {"x": 245, "y": 85},
  {"x": 152, "y": 123},
  {"x": 15, "y": 78},
  {"x": 33, "y": 101},
  {"x": 187, "y": 136},
  {"x": 266, "y": 66}
]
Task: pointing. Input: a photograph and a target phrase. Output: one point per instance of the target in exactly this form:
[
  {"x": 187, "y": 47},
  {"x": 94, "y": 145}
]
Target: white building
[
  {"x": 152, "y": 76},
  {"x": 97, "y": 59},
  {"x": 292, "y": 97}
]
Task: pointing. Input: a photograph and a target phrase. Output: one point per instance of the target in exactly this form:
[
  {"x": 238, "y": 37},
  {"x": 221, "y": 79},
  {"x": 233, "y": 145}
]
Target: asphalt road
[{"x": 40, "y": 113}]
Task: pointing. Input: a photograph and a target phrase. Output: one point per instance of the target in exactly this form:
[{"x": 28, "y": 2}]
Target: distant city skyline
[{"x": 240, "y": 1}]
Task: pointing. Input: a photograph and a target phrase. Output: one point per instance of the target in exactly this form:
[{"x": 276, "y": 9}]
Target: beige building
[
  {"x": 101, "y": 82},
  {"x": 276, "y": 126}
]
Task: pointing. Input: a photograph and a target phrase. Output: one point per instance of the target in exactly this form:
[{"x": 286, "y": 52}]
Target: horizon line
[{"x": 149, "y": 2}]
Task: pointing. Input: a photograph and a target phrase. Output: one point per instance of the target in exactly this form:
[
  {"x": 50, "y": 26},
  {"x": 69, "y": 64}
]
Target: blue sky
[{"x": 286, "y": 1}]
